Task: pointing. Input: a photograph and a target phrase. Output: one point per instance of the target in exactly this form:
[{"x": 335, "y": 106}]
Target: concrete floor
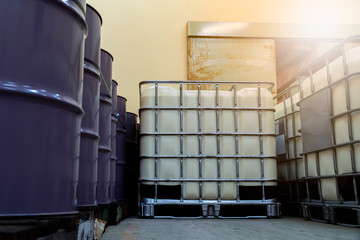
[{"x": 285, "y": 228}]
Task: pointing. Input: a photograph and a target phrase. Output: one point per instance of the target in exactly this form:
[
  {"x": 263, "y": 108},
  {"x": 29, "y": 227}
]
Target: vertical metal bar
[
  {"x": 300, "y": 80},
  {"x": 261, "y": 143},
  {"x": 355, "y": 190},
  {"x": 156, "y": 138},
  {"x": 311, "y": 81},
  {"x": 297, "y": 191},
  {"x": 181, "y": 142},
  {"x": 348, "y": 107},
  {"x": 286, "y": 132},
  {"x": 218, "y": 141},
  {"x": 307, "y": 175},
  {"x": 318, "y": 174},
  {"x": 236, "y": 145},
  {"x": 200, "y": 143},
  {"x": 336, "y": 171},
  {"x": 328, "y": 74}
]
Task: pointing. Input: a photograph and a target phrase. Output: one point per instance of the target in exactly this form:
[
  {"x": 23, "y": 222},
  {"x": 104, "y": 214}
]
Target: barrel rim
[
  {"x": 105, "y": 51},
  {"x": 115, "y": 82},
  {"x": 28, "y": 91},
  {"x": 105, "y": 98},
  {"x": 132, "y": 113},
  {"x": 121, "y": 97},
  {"x": 96, "y": 11},
  {"x": 89, "y": 132},
  {"x": 77, "y": 9},
  {"x": 93, "y": 69},
  {"x": 103, "y": 148}
]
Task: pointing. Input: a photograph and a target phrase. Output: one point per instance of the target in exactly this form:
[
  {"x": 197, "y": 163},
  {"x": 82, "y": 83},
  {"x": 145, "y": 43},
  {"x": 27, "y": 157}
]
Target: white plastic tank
[
  {"x": 295, "y": 147},
  {"x": 205, "y": 121}
]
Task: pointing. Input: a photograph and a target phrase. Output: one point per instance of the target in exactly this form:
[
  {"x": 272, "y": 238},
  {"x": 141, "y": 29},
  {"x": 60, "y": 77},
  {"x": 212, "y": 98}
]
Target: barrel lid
[
  {"x": 92, "y": 8},
  {"x": 122, "y": 97},
  {"x": 103, "y": 50}
]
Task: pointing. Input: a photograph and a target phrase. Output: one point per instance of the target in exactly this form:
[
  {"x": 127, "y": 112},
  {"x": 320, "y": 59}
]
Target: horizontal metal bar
[
  {"x": 206, "y": 82},
  {"x": 345, "y": 113},
  {"x": 332, "y": 147},
  {"x": 209, "y": 108},
  {"x": 208, "y": 134},
  {"x": 271, "y": 30},
  {"x": 286, "y": 91},
  {"x": 350, "y": 204},
  {"x": 332, "y": 176},
  {"x": 206, "y": 156},
  {"x": 205, "y": 180},
  {"x": 293, "y": 137},
  {"x": 150, "y": 201},
  {"x": 288, "y": 115}
]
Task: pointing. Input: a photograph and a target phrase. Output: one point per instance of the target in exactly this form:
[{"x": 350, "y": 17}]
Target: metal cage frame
[
  {"x": 330, "y": 207},
  {"x": 210, "y": 207}
]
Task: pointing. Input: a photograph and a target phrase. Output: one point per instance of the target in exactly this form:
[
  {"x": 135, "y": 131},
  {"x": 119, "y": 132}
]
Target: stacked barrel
[
  {"x": 132, "y": 164},
  {"x": 104, "y": 161},
  {"x": 88, "y": 165},
  {"x": 41, "y": 82},
  {"x": 120, "y": 150}
]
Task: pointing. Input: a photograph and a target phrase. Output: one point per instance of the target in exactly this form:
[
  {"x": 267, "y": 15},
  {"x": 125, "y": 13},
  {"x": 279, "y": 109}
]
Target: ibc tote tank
[{"x": 200, "y": 142}]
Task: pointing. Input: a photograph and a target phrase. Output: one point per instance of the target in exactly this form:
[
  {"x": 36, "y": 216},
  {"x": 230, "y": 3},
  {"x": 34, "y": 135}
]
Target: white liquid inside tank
[{"x": 246, "y": 121}]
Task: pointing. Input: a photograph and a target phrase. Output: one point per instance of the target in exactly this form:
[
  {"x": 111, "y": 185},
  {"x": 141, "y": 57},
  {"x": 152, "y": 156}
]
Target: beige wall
[{"x": 148, "y": 37}]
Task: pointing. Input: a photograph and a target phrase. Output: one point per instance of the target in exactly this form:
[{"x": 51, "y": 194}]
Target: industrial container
[
  {"x": 288, "y": 149},
  {"x": 203, "y": 145},
  {"x": 132, "y": 162},
  {"x": 41, "y": 73},
  {"x": 330, "y": 120},
  {"x": 104, "y": 160},
  {"x": 114, "y": 121},
  {"x": 121, "y": 148},
  {"x": 89, "y": 143}
]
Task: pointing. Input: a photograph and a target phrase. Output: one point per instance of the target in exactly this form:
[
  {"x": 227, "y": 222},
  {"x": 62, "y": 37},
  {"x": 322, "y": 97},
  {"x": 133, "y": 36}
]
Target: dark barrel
[
  {"x": 132, "y": 161},
  {"x": 92, "y": 43},
  {"x": 121, "y": 112},
  {"x": 113, "y": 96},
  {"x": 41, "y": 73},
  {"x": 89, "y": 143},
  {"x": 106, "y": 69},
  {"x": 121, "y": 149},
  {"x": 131, "y": 127},
  {"x": 104, "y": 154},
  {"x": 114, "y": 121}
]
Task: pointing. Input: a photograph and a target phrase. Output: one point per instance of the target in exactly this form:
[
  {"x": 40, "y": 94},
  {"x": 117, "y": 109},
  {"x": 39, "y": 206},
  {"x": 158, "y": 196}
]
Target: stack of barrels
[
  {"x": 41, "y": 83},
  {"x": 60, "y": 118}
]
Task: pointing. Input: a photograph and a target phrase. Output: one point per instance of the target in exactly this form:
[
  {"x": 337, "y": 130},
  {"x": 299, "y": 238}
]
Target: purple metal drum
[
  {"x": 41, "y": 73},
  {"x": 103, "y": 183},
  {"x": 92, "y": 43},
  {"x": 104, "y": 155},
  {"x": 113, "y": 180},
  {"x": 113, "y": 159},
  {"x": 131, "y": 127},
  {"x": 113, "y": 96},
  {"x": 88, "y": 164},
  {"x": 121, "y": 112},
  {"x": 120, "y": 182},
  {"x": 106, "y": 70}
]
